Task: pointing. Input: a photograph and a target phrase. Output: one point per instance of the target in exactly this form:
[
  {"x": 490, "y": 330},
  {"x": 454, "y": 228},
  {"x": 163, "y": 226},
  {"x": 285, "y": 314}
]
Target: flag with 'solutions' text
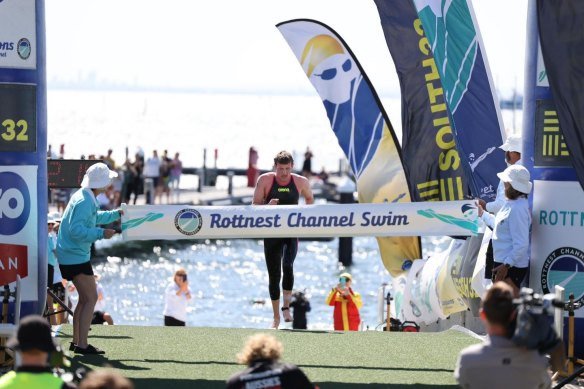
[
  {"x": 360, "y": 123},
  {"x": 461, "y": 61},
  {"x": 431, "y": 160}
]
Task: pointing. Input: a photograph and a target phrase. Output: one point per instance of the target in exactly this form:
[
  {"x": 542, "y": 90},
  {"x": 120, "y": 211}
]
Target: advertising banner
[
  {"x": 448, "y": 297},
  {"x": 430, "y": 156},
  {"x": 557, "y": 255},
  {"x": 18, "y": 34},
  {"x": 222, "y": 222},
  {"x": 460, "y": 58},
  {"x": 359, "y": 122},
  {"x": 19, "y": 228}
]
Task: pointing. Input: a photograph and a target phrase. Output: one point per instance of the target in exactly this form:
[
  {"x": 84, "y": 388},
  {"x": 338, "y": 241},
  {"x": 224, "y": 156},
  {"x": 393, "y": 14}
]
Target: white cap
[
  {"x": 50, "y": 219},
  {"x": 98, "y": 176},
  {"x": 513, "y": 143},
  {"x": 518, "y": 176}
]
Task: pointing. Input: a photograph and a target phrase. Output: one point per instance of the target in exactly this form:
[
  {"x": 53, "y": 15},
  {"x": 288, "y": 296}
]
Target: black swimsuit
[{"x": 281, "y": 252}]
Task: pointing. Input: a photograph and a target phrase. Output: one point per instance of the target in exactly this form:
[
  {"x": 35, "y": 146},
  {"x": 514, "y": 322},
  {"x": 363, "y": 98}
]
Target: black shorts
[
  {"x": 98, "y": 317},
  {"x": 70, "y": 271},
  {"x": 50, "y": 275},
  {"x": 516, "y": 274},
  {"x": 170, "y": 321}
]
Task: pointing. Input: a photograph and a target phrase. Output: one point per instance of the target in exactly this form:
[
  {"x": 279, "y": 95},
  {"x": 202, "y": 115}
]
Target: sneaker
[
  {"x": 88, "y": 350},
  {"x": 72, "y": 346}
]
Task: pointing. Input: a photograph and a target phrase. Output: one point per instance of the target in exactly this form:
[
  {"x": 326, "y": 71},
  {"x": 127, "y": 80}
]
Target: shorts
[
  {"x": 98, "y": 317},
  {"x": 170, "y": 321},
  {"x": 50, "y": 275},
  {"x": 70, "y": 271}
]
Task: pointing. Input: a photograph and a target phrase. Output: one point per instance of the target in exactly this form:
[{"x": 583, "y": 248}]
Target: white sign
[
  {"x": 387, "y": 219},
  {"x": 557, "y": 244},
  {"x": 541, "y": 73},
  {"x": 19, "y": 227},
  {"x": 18, "y": 46}
]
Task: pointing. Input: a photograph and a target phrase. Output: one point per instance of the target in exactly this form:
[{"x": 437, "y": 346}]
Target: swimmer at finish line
[{"x": 281, "y": 187}]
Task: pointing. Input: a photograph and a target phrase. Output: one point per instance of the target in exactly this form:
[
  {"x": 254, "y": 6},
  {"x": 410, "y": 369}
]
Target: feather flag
[{"x": 360, "y": 123}]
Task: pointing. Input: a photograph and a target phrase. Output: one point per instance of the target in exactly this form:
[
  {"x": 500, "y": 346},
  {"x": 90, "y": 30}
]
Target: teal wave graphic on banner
[
  {"x": 149, "y": 217},
  {"x": 468, "y": 221}
]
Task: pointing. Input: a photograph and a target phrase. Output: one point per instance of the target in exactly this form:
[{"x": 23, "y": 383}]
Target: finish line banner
[{"x": 172, "y": 222}]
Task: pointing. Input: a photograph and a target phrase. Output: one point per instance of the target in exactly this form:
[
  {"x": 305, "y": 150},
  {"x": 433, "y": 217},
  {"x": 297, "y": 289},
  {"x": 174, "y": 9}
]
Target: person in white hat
[
  {"x": 79, "y": 229},
  {"x": 512, "y": 149},
  {"x": 511, "y": 227}
]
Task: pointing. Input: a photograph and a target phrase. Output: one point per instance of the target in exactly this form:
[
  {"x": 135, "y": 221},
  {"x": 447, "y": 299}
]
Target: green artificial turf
[{"x": 174, "y": 357}]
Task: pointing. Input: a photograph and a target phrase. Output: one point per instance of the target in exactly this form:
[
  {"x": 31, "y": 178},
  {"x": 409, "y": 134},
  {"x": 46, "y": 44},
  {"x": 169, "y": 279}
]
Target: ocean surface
[{"x": 228, "y": 278}]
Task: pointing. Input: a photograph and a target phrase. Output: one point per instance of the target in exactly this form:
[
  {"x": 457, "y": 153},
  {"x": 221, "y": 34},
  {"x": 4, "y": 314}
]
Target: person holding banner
[
  {"x": 78, "y": 230},
  {"x": 281, "y": 187},
  {"x": 511, "y": 227}
]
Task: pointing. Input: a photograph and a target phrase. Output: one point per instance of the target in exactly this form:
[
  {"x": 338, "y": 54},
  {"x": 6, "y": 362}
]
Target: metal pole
[{"x": 346, "y": 189}]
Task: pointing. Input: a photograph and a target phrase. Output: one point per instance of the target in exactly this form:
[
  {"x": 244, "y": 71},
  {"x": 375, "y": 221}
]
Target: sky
[{"x": 233, "y": 45}]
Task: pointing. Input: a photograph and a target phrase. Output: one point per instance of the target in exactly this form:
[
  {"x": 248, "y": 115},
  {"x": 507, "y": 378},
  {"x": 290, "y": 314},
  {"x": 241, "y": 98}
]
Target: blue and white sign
[
  {"x": 387, "y": 219},
  {"x": 19, "y": 224},
  {"x": 18, "y": 34}
]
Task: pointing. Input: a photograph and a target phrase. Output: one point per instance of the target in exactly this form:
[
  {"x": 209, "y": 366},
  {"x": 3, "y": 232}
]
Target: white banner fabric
[{"x": 324, "y": 220}]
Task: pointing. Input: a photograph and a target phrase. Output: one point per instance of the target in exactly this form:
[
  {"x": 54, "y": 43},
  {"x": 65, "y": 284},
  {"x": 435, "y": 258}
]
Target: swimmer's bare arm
[
  {"x": 261, "y": 191},
  {"x": 304, "y": 189}
]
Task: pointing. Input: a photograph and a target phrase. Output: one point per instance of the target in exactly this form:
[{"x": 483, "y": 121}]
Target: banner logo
[
  {"x": 23, "y": 48},
  {"x": 14, "y": 203},
  {"x": 188, "y": 221},
  {"x": 564, "y": 267}
]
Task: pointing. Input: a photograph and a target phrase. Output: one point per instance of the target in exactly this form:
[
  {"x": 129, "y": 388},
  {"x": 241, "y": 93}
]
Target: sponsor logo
[
  {"x": 564, "y": 267},
  {"x": 283, "y": 189},
  {"x": 13, "y": 262},
  {"x": 188, "y": 221},
  {"x": 23, "y": 48},
  {"x": 14, "y": 203}
]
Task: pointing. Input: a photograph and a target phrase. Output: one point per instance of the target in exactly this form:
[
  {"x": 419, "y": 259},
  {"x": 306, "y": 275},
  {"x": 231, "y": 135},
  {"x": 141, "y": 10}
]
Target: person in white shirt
[
  {"x": 151, "y": 171},
  {"x": 511, "y": 227},
  {"x": 176, "y": 298},
  {"x": 512, "y": 148}
]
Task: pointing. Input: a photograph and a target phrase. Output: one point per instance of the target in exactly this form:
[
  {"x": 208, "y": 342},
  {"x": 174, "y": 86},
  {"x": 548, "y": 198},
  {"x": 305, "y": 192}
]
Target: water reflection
[{"x": 230, "y": 282}]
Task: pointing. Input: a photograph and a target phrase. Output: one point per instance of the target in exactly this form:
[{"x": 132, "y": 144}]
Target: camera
[{"x": 533, "y": 326}]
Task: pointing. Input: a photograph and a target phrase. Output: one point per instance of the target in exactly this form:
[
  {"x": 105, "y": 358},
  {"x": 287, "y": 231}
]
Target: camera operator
[
  {"x": 177, "y": 295},
  {"x": 498, "y": 362},
  {"x": 34, "y": 344}
]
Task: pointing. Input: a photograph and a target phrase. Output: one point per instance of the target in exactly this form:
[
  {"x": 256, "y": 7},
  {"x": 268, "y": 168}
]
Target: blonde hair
[
  {"x": 180, "y": 272},
  {"x": 260, "y": 346},
  {"x": 105, "y": 379}
]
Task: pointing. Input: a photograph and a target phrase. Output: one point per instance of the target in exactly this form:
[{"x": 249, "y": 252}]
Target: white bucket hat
[
  {"x": 98, "y": 176},
  {"x": 518, "y": 176},
  {"x": 513, "y": 143}
]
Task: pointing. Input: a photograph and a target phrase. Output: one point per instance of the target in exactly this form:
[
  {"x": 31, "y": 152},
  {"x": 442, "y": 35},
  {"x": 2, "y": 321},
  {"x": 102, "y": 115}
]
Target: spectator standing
[
  {"x": 347, "y": 304},
  {"x": 175, "y": 174},
  {"x": 307, "y": 165},
  {"x": 78, "y": 230},
  {"x": 176, "y": 298},
  {"x": 252, "y": 167},
  {"x": 151, "y": 174}
]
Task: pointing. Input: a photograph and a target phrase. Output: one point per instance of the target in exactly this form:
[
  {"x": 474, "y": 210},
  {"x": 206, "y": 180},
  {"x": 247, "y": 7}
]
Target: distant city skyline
[{"x": 234, "y": 46}]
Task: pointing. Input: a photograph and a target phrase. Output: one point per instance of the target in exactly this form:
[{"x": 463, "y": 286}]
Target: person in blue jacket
[{"x": 79, "y": 229}]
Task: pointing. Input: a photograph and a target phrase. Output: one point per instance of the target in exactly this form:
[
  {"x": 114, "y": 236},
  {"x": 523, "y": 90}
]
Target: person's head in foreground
[
  {"x": 497, "y": 309},
  {"x": 105, "y": 379},
  {"x": 33, "y": 341},
  {"x": 260, "y": 347}
]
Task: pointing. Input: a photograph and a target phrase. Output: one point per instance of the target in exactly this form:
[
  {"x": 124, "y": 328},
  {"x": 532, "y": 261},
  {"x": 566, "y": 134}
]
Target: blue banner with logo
[
  {"x": 561, "y": 26},
  {"x": 23, "y": 145},
  {"x": 360, "y": 123},
  {"x": 431, "y": 160},
  {"x": 460, "y": 58}
]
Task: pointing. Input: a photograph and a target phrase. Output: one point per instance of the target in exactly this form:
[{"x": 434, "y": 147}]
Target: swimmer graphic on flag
[{"x": 360, "y": 124}]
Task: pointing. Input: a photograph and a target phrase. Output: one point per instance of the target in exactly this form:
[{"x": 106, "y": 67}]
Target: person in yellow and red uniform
[{"x": 347, "y": 304}]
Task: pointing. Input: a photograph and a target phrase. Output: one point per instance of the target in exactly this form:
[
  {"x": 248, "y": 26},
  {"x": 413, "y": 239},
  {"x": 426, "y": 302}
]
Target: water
[{"x": 229, "y": 282}]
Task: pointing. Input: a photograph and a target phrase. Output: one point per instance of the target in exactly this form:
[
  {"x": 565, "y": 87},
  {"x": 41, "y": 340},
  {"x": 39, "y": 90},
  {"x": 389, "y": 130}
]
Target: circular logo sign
[
  {"x": 14, "y": 203},
  {"x": 188, "y": 221},
  {"x": 564, "y": 267},
  {"x": 23, "y": 48}
]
